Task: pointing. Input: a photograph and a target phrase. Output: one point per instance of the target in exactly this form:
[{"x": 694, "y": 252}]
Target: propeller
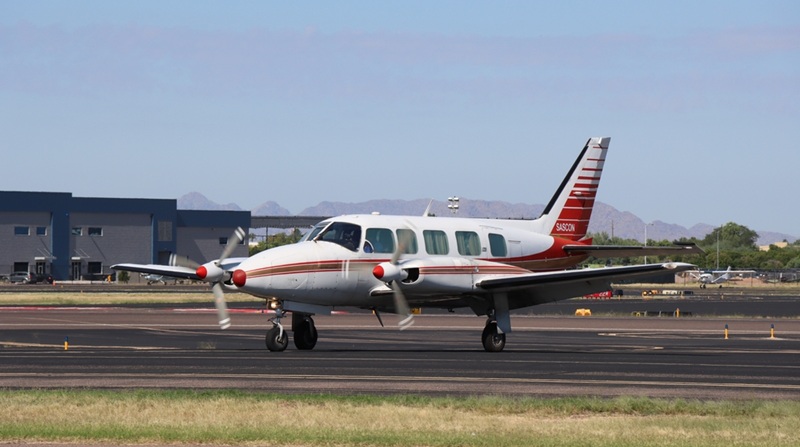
[
  {"x": 391, "y": 273},
  {"x": 212, "y": 272},
  {"x": 176, "y": 260}
]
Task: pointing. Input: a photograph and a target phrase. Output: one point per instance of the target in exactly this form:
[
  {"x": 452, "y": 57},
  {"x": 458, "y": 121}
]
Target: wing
[
  {"x": 175, "y": 271},
  {"x": 624, "y": 251},
  {"x": 543, "y": 287},
  {"x": 157, "y": 269}
]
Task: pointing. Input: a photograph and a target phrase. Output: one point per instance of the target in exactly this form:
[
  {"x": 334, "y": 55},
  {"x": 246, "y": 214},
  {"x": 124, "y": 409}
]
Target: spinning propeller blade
[
  {"x": 400, "y": 302},
  {"x": 222, "y": 308},
  {"x": 213, "y": 273}
]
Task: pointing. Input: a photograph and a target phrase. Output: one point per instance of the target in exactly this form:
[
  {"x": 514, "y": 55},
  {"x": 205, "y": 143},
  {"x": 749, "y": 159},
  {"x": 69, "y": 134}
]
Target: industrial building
[{"x": 72, "y": 238}]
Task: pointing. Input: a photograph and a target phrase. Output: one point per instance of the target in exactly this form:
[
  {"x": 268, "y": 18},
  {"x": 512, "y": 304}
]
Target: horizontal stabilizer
[{"x": 624, "y": 251}]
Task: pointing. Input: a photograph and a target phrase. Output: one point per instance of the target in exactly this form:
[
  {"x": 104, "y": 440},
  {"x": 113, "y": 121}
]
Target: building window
[
  {"x": 22, "y": 231},
  {"x": 94, "y": 268},
  {"x": 77, "y": 231},
  {"x": 95, "y": 231},
  {"x": 41, "y": 231},
  {"x": 164, "y": 231}
]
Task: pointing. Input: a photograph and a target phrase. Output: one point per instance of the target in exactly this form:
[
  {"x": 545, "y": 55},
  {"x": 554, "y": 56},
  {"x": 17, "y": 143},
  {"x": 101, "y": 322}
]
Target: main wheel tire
[
  {"x": 275, "y": 342},
  {"x": 305, "y": 335},
  {"x": 492, "y": 340}
]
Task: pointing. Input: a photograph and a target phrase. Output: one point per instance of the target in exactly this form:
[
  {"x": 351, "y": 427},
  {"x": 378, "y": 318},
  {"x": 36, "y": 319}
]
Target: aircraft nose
[{"x": 239, "y": 278}]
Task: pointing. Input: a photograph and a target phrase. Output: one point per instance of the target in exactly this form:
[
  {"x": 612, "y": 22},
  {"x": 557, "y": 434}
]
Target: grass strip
[
  {"x": 117, "y": 298},
  {"x": 236, "y": 417}
]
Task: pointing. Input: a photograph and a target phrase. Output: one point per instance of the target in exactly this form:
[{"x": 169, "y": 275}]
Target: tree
[
  {"x": 277, "y": 240},
  {"x": 123, "y": 277},
  {"x": 730, "y": 236}
]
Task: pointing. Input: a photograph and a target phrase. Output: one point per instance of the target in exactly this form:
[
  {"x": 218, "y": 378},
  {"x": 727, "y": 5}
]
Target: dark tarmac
[{"x": 181, "y": 347}]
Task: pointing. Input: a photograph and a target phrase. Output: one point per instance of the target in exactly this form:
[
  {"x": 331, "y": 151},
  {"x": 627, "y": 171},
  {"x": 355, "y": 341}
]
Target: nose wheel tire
[
  {"x": 493, "y": 341},
  {"x": 305, "y": 335},
  {"x": 276, "y": 342}
]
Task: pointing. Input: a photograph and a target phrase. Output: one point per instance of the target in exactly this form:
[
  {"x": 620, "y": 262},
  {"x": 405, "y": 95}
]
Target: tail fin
[{"x": 567, "y": 215}]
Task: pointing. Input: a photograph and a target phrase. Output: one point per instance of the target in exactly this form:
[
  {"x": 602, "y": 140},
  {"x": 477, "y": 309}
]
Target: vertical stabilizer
[{"x": 567, "y": 215}]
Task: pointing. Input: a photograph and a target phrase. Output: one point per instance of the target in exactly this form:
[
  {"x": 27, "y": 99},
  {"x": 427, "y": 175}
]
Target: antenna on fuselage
[{"x": 427, "y": 212}]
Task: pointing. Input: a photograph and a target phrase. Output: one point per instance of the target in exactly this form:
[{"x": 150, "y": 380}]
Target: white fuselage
[{"x": 446, "y": 256}]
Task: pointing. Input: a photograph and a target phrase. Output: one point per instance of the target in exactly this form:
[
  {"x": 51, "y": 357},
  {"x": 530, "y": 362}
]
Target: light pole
[
  {"x": 645, "y": 240},
  {"x": 453, "y": 204}
]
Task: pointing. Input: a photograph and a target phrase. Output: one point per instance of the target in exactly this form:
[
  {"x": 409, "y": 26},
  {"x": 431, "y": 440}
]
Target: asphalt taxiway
[{"x": 181, "y": 347}]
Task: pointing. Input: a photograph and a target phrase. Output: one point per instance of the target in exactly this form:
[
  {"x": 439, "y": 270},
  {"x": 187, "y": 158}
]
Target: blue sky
[{"x": 303, "y": 102}]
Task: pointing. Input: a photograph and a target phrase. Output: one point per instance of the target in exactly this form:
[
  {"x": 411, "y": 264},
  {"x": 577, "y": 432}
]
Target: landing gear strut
[
  {"x": 493, "y": 340},
  {"x": 277, "y": 339},
  {"x": 305, "y": 333}
]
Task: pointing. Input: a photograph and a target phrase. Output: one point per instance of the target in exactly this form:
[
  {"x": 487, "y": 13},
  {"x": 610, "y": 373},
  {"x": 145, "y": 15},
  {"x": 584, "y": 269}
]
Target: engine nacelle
[
  {"x": 388, "y": 272},
  {"x": 210, "y": 272}
]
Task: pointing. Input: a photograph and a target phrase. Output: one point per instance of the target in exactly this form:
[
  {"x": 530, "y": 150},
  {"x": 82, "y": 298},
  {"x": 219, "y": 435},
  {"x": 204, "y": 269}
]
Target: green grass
[{"x": 242, "y": 418}]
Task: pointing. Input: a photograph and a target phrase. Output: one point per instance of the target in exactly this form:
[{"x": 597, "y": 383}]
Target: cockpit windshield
[
  {"x": 345, "y": 234},
  {"x": 310, "y": 235}
]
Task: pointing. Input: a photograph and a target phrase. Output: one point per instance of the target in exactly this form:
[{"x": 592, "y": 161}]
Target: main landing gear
[
  {"x": 305, "y": 333},
  {"x": 493, "y": 340}
]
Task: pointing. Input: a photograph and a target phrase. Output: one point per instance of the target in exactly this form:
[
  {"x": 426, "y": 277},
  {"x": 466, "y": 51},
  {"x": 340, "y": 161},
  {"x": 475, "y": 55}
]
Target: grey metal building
[{"x": 54, "y": 233}]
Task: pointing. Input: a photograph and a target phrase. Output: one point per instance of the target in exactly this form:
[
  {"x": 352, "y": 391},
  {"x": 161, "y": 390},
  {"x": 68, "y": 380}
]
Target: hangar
[{"x": 71, "y": 238}]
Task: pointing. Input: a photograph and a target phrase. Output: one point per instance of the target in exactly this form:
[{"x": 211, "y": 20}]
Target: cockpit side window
[
  {"x": 345, "y": 234},
  {"x": 379, "y": 240}
]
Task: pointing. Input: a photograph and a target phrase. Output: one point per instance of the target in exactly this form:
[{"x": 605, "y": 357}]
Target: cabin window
[
  {"x": 379, "y": 240},
  {"x": 95, "y": 231},
  {"x": 345, "y": 234},
  {"x": 468, "y": 242},
  {"x": 22, "y": 231},
  {"x": 435, "y": 242},
  {"x": 497, "y": 245},
  {"x": 407, "y": 240},
  {"x": 41, "y": 231}
]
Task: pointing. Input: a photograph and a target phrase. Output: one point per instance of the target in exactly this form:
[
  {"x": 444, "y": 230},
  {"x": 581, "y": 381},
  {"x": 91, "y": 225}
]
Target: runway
[{"x": 164, "y": 347}]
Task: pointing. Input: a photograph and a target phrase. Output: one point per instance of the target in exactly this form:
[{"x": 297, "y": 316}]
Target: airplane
[
  {"x": 153, "y": 278},
  {"x": 717, "y": 276},
  {"x": 389, "y": 263}
]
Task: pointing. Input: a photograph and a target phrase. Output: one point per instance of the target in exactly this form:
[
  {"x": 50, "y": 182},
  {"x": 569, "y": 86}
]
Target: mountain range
[{"x": 605, "y": 218}]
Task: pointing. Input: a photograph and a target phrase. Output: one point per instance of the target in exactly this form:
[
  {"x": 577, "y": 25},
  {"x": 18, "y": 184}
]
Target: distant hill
[
  {"x": 197, "y": 201},
  {"x": 605, "y": 218}
]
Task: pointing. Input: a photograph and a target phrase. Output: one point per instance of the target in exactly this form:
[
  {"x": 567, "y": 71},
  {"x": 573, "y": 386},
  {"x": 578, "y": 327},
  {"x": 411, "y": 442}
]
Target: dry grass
[
  {"x": 72, "y": 298},
  {"x": 227, "y": 417}
]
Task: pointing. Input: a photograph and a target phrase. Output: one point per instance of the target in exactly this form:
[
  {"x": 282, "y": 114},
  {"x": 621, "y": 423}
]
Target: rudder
[{"x": 568, "y": 213}]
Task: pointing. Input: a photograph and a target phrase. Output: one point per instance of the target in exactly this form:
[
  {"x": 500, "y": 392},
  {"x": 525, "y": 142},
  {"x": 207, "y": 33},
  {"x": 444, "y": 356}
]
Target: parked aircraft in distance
[
  {"x": 153, "y": 278},
  {"x": 393, "y": 263},
  {"x": 717, "y": 276}
]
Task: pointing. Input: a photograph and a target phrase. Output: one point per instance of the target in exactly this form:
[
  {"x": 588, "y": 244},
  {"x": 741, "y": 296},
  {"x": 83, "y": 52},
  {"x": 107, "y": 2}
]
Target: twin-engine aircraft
[{"x": 394, "y": 263}]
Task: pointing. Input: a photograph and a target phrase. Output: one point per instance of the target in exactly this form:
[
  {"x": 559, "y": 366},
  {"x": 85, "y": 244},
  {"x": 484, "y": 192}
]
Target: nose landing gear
[
  {"x": 305, "y": 333},
  {"x": 277, "y": 339}
]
